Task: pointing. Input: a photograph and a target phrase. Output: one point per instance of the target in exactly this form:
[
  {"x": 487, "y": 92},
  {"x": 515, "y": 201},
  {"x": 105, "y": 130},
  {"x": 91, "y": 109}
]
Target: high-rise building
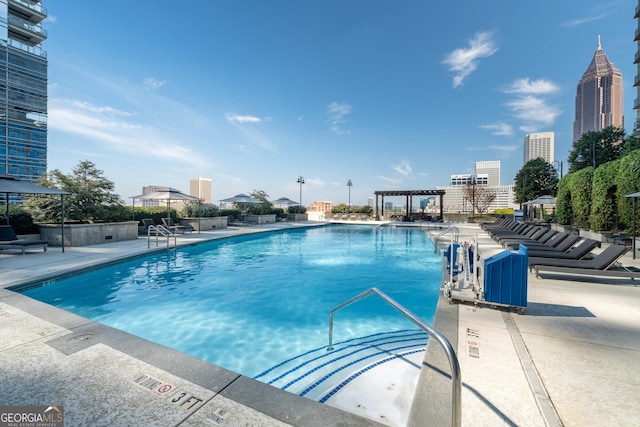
[
  {"x": 538, "y": 145},
  {"x": 200, "y": 188},
  {"x": 636, "y": 81},
  {"x": 491, "y": 168},
  {"x": 23, "y": 89},
  {"x": 598, "y": 96}
]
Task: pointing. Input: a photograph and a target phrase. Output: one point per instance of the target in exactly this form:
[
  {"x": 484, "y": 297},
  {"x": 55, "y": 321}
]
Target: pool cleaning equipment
[{"x": 500, "y": 280}]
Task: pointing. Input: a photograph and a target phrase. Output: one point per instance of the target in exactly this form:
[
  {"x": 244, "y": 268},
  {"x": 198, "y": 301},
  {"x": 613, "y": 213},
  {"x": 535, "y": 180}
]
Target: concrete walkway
[{"x": 569, "y": 359}]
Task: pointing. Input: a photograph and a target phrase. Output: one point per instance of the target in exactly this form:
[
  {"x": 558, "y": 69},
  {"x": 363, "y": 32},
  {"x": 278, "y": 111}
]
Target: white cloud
[
  {"x": 111, "y": 127},
  {"x": 403, "y": 168},
  {"x": 336, "y": 113},
  {"x": 247, "y": 124},
  {"x": 500, "y": 128},
  {"x": 153, "y": 84},
  {"x": 390, "y": 181},
  {"x": 533, "y": 110},
  {"x": 234, "y": 118},
  {"x": 464, "y": 61},
  {"x": 583, "y": 20},
  {"x": 532, "y": 87}
]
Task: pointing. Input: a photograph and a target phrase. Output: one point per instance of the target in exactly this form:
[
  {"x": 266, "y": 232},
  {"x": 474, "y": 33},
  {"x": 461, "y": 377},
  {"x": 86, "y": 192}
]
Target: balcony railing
[
  {"x": 35, "y": 50},
  {"x": 36, "y": 7},
  {"x": 39, "y": 32}
]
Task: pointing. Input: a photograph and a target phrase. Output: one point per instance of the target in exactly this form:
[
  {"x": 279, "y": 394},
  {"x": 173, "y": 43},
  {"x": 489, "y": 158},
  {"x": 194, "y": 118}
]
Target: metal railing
[
  {"x": 160, "y": 230},
  {"x": 456, "y": 381},
  {"x": 455, "y": 232}
]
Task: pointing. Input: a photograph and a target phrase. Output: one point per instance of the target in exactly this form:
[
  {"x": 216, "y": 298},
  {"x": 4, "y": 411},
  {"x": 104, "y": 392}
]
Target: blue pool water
[{"x": 250, "y": 302}]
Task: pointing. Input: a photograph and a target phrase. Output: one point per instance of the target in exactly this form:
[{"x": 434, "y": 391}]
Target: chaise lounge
[{"x": 9, "y": 241}]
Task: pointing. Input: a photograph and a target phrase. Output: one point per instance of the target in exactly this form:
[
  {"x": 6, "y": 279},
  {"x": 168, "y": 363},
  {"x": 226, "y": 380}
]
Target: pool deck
[{"x": 570, "y": 359}]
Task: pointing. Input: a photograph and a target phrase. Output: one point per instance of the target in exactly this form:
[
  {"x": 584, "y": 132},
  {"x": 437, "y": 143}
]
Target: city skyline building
[
  {"x": 201, "y": 188},
  {"x": 538, "y": 145},
  {"x": 599, "y": 96},
  {"x": 23, "y": 90}
]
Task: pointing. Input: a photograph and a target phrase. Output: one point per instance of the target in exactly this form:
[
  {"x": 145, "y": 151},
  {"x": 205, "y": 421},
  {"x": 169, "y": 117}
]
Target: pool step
[{"x": 318, "y": 374}]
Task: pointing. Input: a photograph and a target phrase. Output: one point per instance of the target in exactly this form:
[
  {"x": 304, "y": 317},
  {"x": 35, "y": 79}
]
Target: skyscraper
[
  {"x": 23, "y": 89},
  {"x": 598, "y": 96},
  {"x": 537, "y": 145},
  {"x": 201, "y": 188}
]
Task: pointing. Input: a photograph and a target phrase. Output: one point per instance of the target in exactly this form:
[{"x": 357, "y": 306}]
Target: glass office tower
[
  {"x": 23, "y": 89},
  {"x": 598, "y": 96}
]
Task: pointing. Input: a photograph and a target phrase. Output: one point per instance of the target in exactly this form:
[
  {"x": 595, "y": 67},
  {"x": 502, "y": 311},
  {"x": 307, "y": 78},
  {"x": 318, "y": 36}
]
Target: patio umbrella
[
  {"x": 241, "y": 198},
  {"x": 169, "y": 195},
  {"x": 11, "y": 184},
  {"x": 285, "y": 201}
]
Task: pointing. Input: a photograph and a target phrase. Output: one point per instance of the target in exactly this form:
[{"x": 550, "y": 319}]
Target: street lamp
[
  {"x": 349, "y": 184},
  {"x": 300, "y": 181},
  {"x": 581, "y": 158},
  {"x": 557, "y": 167}
]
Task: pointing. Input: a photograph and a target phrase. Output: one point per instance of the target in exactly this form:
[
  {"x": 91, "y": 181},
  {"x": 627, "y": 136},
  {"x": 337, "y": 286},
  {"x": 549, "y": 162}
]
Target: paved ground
[{"x": 570, "y": 359}]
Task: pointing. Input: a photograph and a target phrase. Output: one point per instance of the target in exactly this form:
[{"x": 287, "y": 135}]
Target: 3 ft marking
[{"x": 186, "y": 400}]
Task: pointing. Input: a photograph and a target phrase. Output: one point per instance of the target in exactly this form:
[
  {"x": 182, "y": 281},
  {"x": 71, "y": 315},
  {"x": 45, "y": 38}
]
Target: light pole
[
  {"x": 581, "y": 158},
  {"x": 349, "y": 184},
  {"x": 300, "y": 181},
  {"x": 473, "y": 201},
  {"x": 557, "y": 167}
]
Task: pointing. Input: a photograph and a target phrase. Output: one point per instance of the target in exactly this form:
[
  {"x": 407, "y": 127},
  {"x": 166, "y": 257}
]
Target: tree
[
  {"x": 536, "y": 178},
  {"x": 596, "y": 147},
  {"x": 630, "y": 144},
  {"x": 261, "y": 208},
  {"x": 90, "y": 195},
  {"x": 480, "y": 197}
]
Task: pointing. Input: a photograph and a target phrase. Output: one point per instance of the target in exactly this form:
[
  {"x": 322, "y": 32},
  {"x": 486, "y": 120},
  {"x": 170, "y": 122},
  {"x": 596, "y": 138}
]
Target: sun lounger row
[{"x": 561, "y": 252}]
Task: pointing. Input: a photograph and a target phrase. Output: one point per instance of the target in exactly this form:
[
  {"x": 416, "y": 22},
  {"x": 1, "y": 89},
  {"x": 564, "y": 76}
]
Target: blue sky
[{"x": 253, "y": 94}]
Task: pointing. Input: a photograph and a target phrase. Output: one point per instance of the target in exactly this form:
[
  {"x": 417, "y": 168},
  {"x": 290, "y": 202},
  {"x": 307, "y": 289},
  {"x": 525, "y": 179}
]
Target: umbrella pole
[
  {"x": 62, "y": 219},
  {"x": 7, "y": 202},
  {"x": 633, "y": 246}
]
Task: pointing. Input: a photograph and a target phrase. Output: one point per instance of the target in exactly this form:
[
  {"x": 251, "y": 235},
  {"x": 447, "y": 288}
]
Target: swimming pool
[{"x": 249, "y": 303}]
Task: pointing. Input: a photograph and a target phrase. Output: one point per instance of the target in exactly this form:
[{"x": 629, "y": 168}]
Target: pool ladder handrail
[
  {"x": 160, "y": 230},
  {"x": 455, "y": 233},
  {"x": 456, "y": 381}
]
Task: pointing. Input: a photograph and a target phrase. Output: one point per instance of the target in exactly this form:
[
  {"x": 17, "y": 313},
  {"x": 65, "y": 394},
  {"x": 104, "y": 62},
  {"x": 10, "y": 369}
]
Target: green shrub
[
  {"x": 203, "y": 210},
  {"x": 19, "y": 218},
  {"x": 297, "y": 209}
]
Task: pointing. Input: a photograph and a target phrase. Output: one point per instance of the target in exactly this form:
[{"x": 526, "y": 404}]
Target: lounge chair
[
  {"x": 176, "y": 228},
  {"x": 603, "y": 264},
  {"x": 565, "y": 244},
  {"x": 577, "y": 252},
  {"x": 602, "y": 261},
  {"x": 539, "y": 236},
  {"x": 551, "y": 243},
  {"x": 9, "y": 241}
]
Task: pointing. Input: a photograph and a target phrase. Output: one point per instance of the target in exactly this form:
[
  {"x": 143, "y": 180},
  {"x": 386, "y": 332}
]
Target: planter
[
  {"x": 261, "y": 219},
  {"x": 204, "y": 224},
  {"x": 88, "y": 234},
  {"x": 297, "y": 217}
]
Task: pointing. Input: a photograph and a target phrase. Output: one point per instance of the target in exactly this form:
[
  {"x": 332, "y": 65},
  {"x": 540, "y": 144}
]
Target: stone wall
[{"x": 88, "y": 234}]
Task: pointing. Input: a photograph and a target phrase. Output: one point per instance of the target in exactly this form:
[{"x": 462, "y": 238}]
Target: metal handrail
[
  {"x": 456, "y": 381},
  {"x": 162, "y": 231},
  {"x": 451, "y": 230}
]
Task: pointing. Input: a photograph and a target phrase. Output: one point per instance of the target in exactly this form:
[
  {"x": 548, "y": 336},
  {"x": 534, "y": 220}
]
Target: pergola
[{"x": 409, "y": 198}]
